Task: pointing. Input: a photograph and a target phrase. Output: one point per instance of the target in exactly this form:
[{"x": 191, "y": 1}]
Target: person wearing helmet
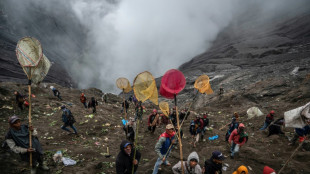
[
  {"x": 83, "y": 100},
  {"x": 162, "y": 147},
  {"x": 153, "y": 121},
  {"x": 268, "y": 120},
  {"x": 237, "y": 138}
]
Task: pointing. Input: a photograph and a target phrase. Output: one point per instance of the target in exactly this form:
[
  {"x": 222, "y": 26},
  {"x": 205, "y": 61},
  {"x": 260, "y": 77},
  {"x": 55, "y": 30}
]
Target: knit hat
[{"x": 268, "y": 170}]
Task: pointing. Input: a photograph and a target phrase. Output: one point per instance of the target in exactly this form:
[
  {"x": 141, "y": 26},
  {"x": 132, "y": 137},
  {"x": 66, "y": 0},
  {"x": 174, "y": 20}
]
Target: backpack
[{"x": 70, "y": 117}]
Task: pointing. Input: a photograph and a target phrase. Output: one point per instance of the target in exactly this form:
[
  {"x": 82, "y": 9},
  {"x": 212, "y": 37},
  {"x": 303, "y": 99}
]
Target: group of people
[{"x": 128, "y": 158}]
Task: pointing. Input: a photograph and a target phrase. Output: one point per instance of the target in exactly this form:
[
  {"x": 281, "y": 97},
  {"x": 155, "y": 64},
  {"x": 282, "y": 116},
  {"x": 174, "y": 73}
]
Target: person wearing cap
[
  {"x": 241, "y": 170},
  {"x": 162, "y": 147},
  {"x": 268, "y": 120},
  {"x": 68, "y": 119},
  {"x": 17, "y": 140},
  {"x": 125, "y": 158},
  {"x": 268, "y": 170},
  {"x": 56, "y": 92},
  {"x": 83, "y": 100},
  {"x": 237, "y": 139},
  {"x": 214, "y": 164},
  {"x": 190, "y": 166},
  {"x": 153, "y": 121}
]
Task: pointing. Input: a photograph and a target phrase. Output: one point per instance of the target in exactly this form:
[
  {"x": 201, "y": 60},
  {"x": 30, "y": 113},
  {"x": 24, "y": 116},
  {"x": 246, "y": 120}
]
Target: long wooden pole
[
  {"x": 29, "y": 116},
  {"x": 179, "y": 138},
  {"x": 135, "y": 146}
]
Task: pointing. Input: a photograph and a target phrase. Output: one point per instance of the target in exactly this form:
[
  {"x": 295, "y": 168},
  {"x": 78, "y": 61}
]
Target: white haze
[{"x": 126, "y": 37}]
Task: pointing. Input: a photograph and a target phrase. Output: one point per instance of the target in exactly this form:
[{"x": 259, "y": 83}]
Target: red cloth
[
  {"x": 234, "y": 136},
  {"x": 173, "y": 81},
  {"x": 268, "y": 170},
  {"x": 166, "y": 135}
]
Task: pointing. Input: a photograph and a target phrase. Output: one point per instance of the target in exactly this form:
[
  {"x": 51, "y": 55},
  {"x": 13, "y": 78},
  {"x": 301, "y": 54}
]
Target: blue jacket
[{"x": 303, "y": 131}]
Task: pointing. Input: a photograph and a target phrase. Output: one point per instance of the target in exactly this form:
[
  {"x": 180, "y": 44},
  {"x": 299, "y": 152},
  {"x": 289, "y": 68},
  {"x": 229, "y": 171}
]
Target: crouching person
[
  {"x": 191, "y": 166},
  {"x": 17, "y": 139},
  {"x": 125, "y": 159}
]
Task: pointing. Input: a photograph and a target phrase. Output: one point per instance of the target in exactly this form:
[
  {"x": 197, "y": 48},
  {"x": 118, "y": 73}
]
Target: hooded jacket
[
  {"x": 268, "y": 170},
  {"x": 124, "y": 161},
  {"x": 235, "y": 136},
  {"x": 241, "y": 169},
  {"x": 177, "y": 169}
]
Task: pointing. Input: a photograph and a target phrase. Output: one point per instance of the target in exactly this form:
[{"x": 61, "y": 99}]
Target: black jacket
[
  {"x": 211, "y": 167},
  {"x": 124, "y": 162}
]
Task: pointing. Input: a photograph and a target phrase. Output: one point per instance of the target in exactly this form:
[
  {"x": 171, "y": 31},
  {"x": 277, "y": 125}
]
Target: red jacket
[
  {"x": 234, "y": 136},
  {"x": 149, "y": 122},
  {"x": 201, "y": 123},
  {"x": 83, "y": 99}
]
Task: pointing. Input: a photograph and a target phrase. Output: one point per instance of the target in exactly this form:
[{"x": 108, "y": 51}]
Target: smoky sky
[{"x": 122, "y": 38}]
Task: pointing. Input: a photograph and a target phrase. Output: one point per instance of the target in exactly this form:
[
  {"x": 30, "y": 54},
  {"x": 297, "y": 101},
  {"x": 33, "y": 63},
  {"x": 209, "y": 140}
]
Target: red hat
[
  {"x": 272, "y": 112},
  {"x": 268, "y": 170},
  {"x": 154, "y": 110}
]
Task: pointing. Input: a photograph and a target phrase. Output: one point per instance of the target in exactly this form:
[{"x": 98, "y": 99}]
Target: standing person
[
  {"x": 214, "y": 164},
  {"x": 199, "y": 128},
  {"x": 139, "y": 111},
  {"x": 134, "y": 99},
  {"x": 93, "y": 103},
  {"x": 130, "y": 98},
  {"x": 153, "y": 121},
  {"x": 173, "y": 117},
  {"x": 190, "y": 166},
  {"x": 205, "y": 125},
  {"x": 56, "y": 92},
  {"x": 125, "y": 160},
  {"x": 192, "y": 131},
  {"x": 19, "y": 100},
  {"x": 268, "y": 120},
  {"x": 236, "y": 139},
  {"x": 164, "y": 119},
  {"x": 105, "y": 98},
  {"x": 162, "y": 147},
  {"x": 125, "y": 105},
  {"x": 17, "y": 139},
  {"x": 231, "y": 127},
  {"x": 83, "y": 99},
  {"x": 241, "y": 170},
  {"x": 129, "y": 129},
  {"x": 68, "y": 119},
  {"x": 221, "y": 92}
]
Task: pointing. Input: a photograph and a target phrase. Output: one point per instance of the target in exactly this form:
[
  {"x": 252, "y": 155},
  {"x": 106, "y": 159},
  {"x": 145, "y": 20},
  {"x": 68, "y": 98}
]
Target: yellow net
[
  {"x": 164, "y": 106},
  {"x": 123, "y": 84},
  {"x": 144, "y": 87},
  {"x": 202, "y": 84}
]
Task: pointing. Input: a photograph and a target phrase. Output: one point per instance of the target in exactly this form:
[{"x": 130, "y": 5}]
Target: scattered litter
[
  {"x": 68, "y": 161},
  {"x": 249, "y": 167},
  {"x": 97, "y": 143},
  {"x": 50, "y": 138},
  {"x": 53, "y": 123},
  {"x": 7, "y": 107},
  {"x": 214, "y": 137},
  {"x": 145, "y": 160},
  {"x": 33, "y": 96},
  {"x": 57, "y": 156},
  {"x": 90, "y": 116}
]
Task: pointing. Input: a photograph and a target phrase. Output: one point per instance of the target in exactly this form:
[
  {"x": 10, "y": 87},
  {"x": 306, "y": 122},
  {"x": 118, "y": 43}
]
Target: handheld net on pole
[
  {"x": 35, "y": 64},
  {"x": 172, "y": 83},
  {"x": 144, "y": 87}
]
